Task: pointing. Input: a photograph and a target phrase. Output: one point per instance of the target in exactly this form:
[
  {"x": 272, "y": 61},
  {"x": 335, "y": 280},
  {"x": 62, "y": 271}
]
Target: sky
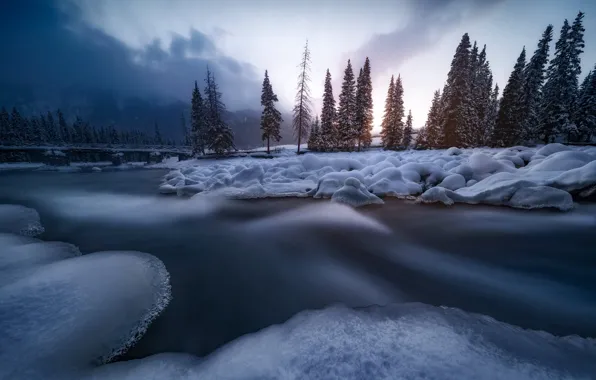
[{"x": 158, "y": 47}]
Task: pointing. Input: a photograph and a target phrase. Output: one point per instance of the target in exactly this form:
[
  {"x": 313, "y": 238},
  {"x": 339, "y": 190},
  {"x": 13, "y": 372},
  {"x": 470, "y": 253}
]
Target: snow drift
[{"x": 518, "y": 177}]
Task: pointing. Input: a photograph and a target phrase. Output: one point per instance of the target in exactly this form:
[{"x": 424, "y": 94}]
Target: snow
[
  {"x": 5, "y": 166},
  {"x": 16, "y": 219},
  {"x": 355, "y": 194},
  {"x": 475, "y": 176}
]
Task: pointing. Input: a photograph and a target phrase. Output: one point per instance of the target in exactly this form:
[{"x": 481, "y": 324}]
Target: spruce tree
[
  {"x": 270, "y": 118},
  {"x": 4, "y": 127},
  {"x": 65, "y": 131},
  {"x": 77, "y": 131},
  {"x": 328, "y": 116},
  {"x": 52, "y": 133},
  {"x": 17, "y": 127},
  {"x": 157, "y": 135},
  {"x": 585, "y": 115},
  {"x": 421, "y": 139},
  {"x": 219, "y": 136},
  {"x": 365, "y": 134},
  {"x": 197, "y": 122},
  {"x": 576, "y": 47},
  {"x": 407, "y": 139},
  {"x": 314, "y": 138},
  {"x": 398, "y": 112},
  {"x": 43, "y": 138},
  {"x": 558, "y": 89},
  {"x": 346, "y": 113},
  {"x": 481, "y": 90},
  {"x": 387, "y": 135},
  {"x": 359, "y": 104},
  {"x": 433, "y": 132},
  {"x": 532, "y": 89},
  {"x": 508, "y": 130},
  {"x": 491, "y": 117},
  {"x": 457, "y": 96},
  {"x": 302, "y": 115}
]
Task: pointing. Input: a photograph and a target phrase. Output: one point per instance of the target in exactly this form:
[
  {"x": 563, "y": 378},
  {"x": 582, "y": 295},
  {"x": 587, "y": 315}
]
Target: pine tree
[
  {"x": 457, "y": 96},
  {"x": 472, "y": 107},
  {"x": 43, "y": 130},
  {"x": 559, "y": 90},
  {"x": 219, "y": 136},
  {"x": 433, "y": 132},
  {"x": 585, "y": 116},
  {"x": 359, "y": 108},
  {"x": 4, "y": 127},
  {"x": 197, "y": 122},
  {"x": 16, "y": 128},
  {"x": 314, "y": 137},
  {"x": 52, "y": 132},
  {"x": 346, "y": 113},
  {"x": 366, "y": 122},
  {"x": 508, "y": 130},
  {"x": 302, "y": 115},
  {"x": 185, "y": 141},
  {"x": 481, "y": 90},
  {"x": 576, "y": 45},
  {"x": 398, "y": 112},
  {"x": 491, "y": 117},
  {"x": 115, "y": 137},
  {"x": 77, "y": 131},
  {"x": 532, "y": 89},
  {"x": 65, "y": 132},
  {"x": 407, "y": 139},
  {"x": 157, "y": 135},
  {"x": 270, "y": 118},
  {"x": 387, "y": 135},
  {"x": 87, "y": 133},
  {"x": 421, "y": 139},
  {"x": 328, "y": 116}
]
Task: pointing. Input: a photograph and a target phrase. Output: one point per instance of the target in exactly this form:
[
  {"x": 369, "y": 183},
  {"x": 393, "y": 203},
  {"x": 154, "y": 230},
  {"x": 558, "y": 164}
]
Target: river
[{"x": 532, "y": 269}]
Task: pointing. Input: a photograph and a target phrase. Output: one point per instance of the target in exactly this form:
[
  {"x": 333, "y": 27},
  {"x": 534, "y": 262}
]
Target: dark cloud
[
  {"x": 45, "y": 47},
  {"x": 428, "y": 22}
]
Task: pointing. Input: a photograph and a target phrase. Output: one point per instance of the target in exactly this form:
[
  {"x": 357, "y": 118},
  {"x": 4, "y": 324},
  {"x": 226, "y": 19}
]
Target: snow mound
[
  {"x": 461, "y": 175},
  {"x": 406, "y": 341},
  {"x": 21, "y": 220},
  {"x": 355, "y": 194}
]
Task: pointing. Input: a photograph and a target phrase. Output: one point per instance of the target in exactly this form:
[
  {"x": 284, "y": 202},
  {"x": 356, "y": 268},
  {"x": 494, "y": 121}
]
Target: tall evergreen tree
[
  {"x": 421, "y": 141},
  {"x": 220, "y": 138},
  {"x": 17, "y": 127},
  {"x": 481, "y": 90},
  {"x": 576, "y": 47},
  {"x": 558, "y": 91},
  {"x": 532, "y": 89},
  {"x": 270, "y": 118},
  {"x": 346, "y": 113},
  {"x": 407, "y": 139},
  {"x": 4, "y": 127},
  {"x": 302, "y": 115},
  {"x": 52, "y": 133},
  {"x": 508, "y": 130},
  {"x": 328, "y": 130},
  {"x": 43, "y": 130},
  {"x": 364, "y": 106},
  {"x": 433, "y": 132},
  {"x": 387, "y": 134},
  {"x": 585, "y": 115},
  {"x": 65, "y": 132},
  {"x": 457, "y": 96},
  {"x": 157, "y": 135},
  {"x": 77, "y": 131},
  {"x": 491, "y": 117},
  {"x": 197, "y": 122},
  {"x": 398, "y": 112}
]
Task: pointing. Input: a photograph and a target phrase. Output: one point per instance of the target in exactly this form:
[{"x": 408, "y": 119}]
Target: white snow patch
[{"x": 354, "y": 193}]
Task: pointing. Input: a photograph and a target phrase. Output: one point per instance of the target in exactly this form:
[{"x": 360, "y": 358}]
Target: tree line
[
  {"x": 52, "y": 129},
  {"x": 539, "y": 103}
]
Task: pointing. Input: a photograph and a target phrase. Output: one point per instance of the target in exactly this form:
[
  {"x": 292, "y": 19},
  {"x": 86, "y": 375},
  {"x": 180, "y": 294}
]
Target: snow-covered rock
[
  {"x": 355, "y": 194},
  {"x": 480, "y": 175}
]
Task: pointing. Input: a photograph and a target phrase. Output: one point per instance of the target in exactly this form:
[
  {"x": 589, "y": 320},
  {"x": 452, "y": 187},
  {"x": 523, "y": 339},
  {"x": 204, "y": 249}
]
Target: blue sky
[{"x": 163, "y": 45}]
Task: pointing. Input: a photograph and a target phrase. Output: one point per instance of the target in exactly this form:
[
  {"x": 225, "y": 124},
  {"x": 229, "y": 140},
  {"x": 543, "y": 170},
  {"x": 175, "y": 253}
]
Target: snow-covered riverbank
[{"x": 521, "y": 177}]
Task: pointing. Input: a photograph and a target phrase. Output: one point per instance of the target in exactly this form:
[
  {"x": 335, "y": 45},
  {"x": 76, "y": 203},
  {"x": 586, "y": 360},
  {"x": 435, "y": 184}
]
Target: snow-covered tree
[
  {"x": 387, "y": 134},
  {"x": 481, "y": 90},
  {"x": 457, "y": 95},
  {"x": 432, "y": 130},
  {"x": 328, "y": 117},
  {"x": 346, "y": 113},
  {"x": 508, "y": 130},
  {"x": 532, "y": 89},
  {"x": 52, "y": 132},
  {"x": 270, "y": 118},
  {"x": 421, "y": 141},
  {"x": 17, "y": 127},
  {"x": 314, "y": 137},
  {"x": 585, "y": 115},
  {"x": 407, "y": 139},
  {"x": 398, "y": 111},
  {"x": 364, "y": 106},
  {"x": 65, "y": 131},
  {"x": 77, "y": 131},
  {"x": 302, "y": 115},
  {"x": 219, "y": 136},
  {"x": 198, "y": 125},
  {"x": 491, "y": 117}
]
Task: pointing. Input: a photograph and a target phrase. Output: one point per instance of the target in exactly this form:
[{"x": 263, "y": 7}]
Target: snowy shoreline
[{"x": 520, "y": 177}]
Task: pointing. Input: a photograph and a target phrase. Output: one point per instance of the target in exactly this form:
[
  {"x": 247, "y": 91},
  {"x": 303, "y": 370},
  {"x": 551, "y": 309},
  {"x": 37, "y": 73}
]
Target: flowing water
[{"x": 231, "y": 275}]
